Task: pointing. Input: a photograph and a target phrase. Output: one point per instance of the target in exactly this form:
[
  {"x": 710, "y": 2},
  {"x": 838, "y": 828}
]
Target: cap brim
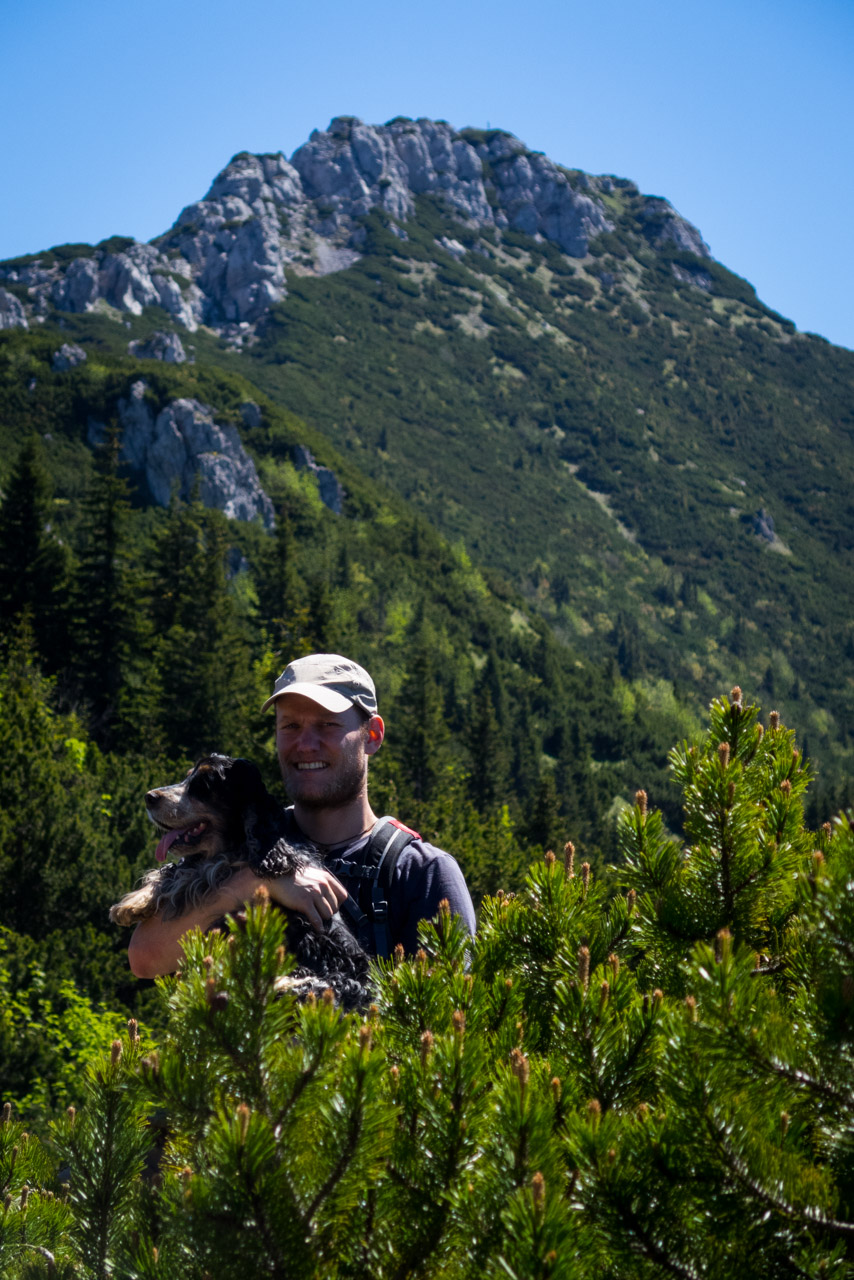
[{"x": 326, "y": 698}]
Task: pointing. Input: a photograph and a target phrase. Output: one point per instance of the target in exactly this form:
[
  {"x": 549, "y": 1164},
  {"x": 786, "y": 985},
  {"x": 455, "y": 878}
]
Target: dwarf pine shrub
[{"x": 644, "y": 1074}]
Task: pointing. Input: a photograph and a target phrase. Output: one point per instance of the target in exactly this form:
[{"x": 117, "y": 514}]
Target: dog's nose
[{"x": 151, "y": 796}]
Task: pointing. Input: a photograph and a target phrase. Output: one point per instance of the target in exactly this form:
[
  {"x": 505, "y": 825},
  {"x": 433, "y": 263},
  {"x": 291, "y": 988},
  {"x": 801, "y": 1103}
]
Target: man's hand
[
  {"x": 313, "y": 892},
  {"x": 155, "y": 945}
]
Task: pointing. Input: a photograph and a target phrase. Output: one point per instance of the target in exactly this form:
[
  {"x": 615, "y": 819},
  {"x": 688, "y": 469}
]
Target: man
[{"x": 327, "y": 728}]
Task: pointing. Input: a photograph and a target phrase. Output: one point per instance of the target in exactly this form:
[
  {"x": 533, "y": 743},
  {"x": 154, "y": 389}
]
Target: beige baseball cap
[{"x": 333, "y": 682}]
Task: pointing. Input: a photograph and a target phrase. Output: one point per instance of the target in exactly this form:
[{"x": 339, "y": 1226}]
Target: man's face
[{"x": 323, "y": 755}]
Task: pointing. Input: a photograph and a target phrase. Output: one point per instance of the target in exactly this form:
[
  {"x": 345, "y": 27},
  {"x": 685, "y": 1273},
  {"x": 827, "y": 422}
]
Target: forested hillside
[
  {"x": 547, "y": 366},
  {"x": 136, "y": 639}
]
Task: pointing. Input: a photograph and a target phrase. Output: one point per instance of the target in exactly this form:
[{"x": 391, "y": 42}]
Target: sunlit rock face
[
  {"x": 224, "y": 261},
  {"x": 182, "y": 450}
]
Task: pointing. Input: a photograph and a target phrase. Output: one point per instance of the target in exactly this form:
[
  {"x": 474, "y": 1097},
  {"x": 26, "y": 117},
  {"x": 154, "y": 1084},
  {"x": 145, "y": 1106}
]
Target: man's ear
[{"x": 374, "y": 735}]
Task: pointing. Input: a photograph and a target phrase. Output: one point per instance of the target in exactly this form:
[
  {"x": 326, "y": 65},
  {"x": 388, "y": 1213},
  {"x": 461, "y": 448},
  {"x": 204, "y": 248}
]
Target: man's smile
[{"x": 311, "y": 764}]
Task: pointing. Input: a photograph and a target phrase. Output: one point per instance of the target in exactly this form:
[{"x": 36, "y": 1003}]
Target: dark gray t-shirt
[{"x": 423, "y": 876}]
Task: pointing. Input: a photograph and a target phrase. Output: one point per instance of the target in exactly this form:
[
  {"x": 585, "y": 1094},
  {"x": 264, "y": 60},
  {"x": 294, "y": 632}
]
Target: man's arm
[
  {"x": 424, "y": 875},
  {"x": 155, "y": 945}
]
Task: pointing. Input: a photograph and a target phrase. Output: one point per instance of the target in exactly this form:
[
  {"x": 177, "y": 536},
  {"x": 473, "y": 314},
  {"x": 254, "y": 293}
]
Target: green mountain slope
[
  {"x": 608, "y": 419},
  {"x": 611, "y": 435}
]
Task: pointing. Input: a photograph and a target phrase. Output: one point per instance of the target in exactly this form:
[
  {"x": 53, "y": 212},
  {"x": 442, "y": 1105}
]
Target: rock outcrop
[
  {"x": 329, "y": 487},
  {"x": 67, "y": 357},
  {"x": 130, "y": 279},
  {"x": 12, "y": 313},
  {"x": 160, "y": 346},
  {"x": 664, "y": 224},
  {"x": 183, "y": 446},
  {"x": 223, "y": 263}
]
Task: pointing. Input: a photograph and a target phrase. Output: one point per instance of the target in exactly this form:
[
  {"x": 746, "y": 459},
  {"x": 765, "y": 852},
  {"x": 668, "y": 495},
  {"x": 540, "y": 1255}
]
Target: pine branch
[
  {"x": 628, "y": 1063},
  {"x": 653, "y": 1251},
  {"x": 354, "y": 1129},
  {"x": 280, "y": 1268},
  {"x": 302, "y": 1082},
  {"x": 738, "y": 1167},
  {"x": 795, "y": 1076}
]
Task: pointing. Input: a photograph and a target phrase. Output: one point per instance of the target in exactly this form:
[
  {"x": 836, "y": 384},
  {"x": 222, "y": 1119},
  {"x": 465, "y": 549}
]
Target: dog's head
[{"x": 221, "y": 806}]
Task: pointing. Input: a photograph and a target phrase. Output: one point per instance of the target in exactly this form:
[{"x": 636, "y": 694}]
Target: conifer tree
[
  {"x": 527, "y": 751},
  {"x": 69, "y": 818},
  {"x": 488, "y": 733},
  {"x": 747, "y": 850},
  {"x": 34, "y": 565},
  {"x": 276, "y": 576},
  {"x": 110, "y": 641},
  {"x": 544, "y": 825},
  {"x": 579, "y": 804},
  {"x": 419, "y": 730},
  {"x": 208, "y": 688}
]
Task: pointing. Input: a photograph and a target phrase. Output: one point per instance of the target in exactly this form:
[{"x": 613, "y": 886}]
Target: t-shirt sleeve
[{"x": 424, "y": 875}]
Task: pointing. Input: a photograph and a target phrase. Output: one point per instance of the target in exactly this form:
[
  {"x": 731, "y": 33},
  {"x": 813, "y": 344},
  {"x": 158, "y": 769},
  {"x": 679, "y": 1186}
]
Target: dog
[{"x": 222, "y": 818}]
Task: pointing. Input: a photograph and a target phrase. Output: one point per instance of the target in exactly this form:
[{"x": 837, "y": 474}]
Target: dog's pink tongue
[{"x": 165, "y": 843}]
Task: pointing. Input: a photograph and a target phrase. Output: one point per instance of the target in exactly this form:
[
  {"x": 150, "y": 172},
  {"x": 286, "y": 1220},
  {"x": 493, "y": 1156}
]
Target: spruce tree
[
  {"x": 420, "y": 735},
  {"x": 488, "y": 738},
  {"x": 110, "y": 640},
  {"x": 209, "y": 690},
  {"x": 281, "y": 605},
  {"x": 34, "y": 565}
]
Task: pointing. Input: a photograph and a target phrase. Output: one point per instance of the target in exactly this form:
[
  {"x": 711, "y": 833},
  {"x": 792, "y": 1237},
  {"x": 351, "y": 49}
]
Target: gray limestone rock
[
  {"x": 182, "y": 446},
  {"x": 763, "y": 525},
  {"x": 79, "y": 289},
  {"x": 453, "y": 247},
  {"x": 130, "y": 280},
  {"x": 67, "y": 357},
  {"x": 223, "y": 262},
  {"x": 12, "y": 313},
  {"x": 700, "y": 279},
  {"x": 664, "y": 224},
  {"x": 160, "y": 346},
  {"x": 331, "y": 490},
  {"x": 251, "y": 414}
]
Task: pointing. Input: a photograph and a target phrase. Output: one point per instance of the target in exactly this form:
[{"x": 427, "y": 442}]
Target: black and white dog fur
[{"x": 222, "y": 818}]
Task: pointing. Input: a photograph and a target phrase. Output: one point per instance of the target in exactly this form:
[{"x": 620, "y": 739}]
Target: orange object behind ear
[{"x": 372, "y": 733}]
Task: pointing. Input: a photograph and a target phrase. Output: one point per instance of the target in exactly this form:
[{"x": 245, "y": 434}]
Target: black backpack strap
[
  {"x": 374, "y": 863},
  {"x": 389, "y": 838},
  {"x": 357, "y": 922}
]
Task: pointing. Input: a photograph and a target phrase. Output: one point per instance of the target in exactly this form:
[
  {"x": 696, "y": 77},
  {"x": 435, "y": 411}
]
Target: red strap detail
[{"x": 396, "y": 823}]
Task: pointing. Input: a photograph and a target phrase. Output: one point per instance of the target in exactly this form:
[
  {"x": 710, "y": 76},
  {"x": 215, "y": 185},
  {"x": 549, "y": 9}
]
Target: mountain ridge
[{"x": 224, "y": 260}]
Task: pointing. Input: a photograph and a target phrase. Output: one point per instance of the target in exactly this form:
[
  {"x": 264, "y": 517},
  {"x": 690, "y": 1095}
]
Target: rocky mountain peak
[{"x": 224, "y": 260}]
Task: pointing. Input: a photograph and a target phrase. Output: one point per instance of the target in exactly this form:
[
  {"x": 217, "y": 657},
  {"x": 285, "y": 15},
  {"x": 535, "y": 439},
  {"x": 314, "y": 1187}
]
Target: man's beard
[{"x": 345, "y": 786}]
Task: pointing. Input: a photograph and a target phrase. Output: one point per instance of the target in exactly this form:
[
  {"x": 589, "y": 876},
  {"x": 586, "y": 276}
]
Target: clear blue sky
[{"x": 740, "y": 112}]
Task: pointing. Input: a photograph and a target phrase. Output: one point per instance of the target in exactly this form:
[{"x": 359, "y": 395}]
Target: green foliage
[
  {"x": 36, "y": 1221},
  {"x": 523, "y": 1104},
  {"x": 33, "y": 564},
  {"x": 202, "y": 664},
  {"x": 49, "y": 1031},
  {"x": 747, "y": 859},
  {"x": 108, "y": 632}
]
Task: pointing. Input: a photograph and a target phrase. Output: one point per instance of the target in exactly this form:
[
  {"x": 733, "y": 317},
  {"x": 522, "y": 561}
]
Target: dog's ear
[
  {"x": 262, "y": 813},
  {"x": 262, "y": 828},
  {"x": 244, "y": 781}
]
